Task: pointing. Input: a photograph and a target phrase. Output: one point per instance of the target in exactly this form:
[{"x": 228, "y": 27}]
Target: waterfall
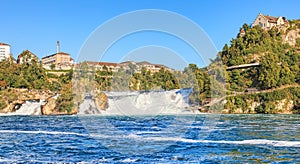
[
  {"x": 141, "y": 103},
  {"x": 30, "y": 107},
  {"x": 88, "y": 106}
]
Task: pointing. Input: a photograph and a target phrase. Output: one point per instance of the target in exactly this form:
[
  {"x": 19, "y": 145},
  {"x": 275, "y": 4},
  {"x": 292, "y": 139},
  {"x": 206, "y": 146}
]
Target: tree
[
  {"x": 132, "y": 69},
  {"x": 64, "y": 102},
  {"x": 52, "y": 66},
  {"x": 269, "y": 74}
]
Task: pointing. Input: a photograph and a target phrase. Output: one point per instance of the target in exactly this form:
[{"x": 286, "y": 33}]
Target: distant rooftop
[
  {"x": 4, "y": 44},
  {"x": 63, "y": 53}
]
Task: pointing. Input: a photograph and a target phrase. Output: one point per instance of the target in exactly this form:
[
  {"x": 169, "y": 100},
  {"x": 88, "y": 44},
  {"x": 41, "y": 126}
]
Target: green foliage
[
  {"x": 51, "y": 75},
  {"x": 266, "y": 108},
  {"x": 32, "y": 75},
  {"x": 66, "y": 78},
  {"x": 269, "y": 74},
  {"x": 64, "y": 103},
  {"x": 2, "y": 104},
  {"x": 279, "y": 61},
  {"x": 55, "y": 86},
  {"x": 267, "y": 100},
  {"x": 163, "y": 79},
  {"x": 103, "y": 78},
  {"x": 27, "y": 75},
  {"x": 52, "y": 66},
  {"x": 197, "y": 79}
]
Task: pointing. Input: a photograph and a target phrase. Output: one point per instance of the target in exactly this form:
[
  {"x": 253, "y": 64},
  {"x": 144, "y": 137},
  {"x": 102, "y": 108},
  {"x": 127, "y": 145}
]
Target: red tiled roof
[
  {"x": 108, "y": 64},
  {"x": 144, "y": 63},
  {"x": 101, "y": 63},
  {"x": 4, "y": 44},
  {"x": 271, "y": 19},
  {"x": 61, "y": 53},
  {"x": 91, "y": 62}
]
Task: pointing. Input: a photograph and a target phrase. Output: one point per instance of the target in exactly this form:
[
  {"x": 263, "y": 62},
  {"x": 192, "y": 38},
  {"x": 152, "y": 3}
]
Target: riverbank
[{"x": 283, "y": 100}]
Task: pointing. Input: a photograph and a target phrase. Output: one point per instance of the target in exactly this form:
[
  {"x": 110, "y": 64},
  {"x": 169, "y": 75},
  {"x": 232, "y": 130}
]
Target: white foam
[
  {"x": 28, "y": 108},
  {"x": 147, "y": 103},
  {"x": 129, "y": 160},
  {"x": 88, "y": 107},
  {"x": 42, "y": 132},
  {"x": 275, "y": 143}
]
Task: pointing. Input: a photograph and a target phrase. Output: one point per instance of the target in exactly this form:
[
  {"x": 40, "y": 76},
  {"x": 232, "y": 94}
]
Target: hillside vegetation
[{"x": 279, "y": 59}]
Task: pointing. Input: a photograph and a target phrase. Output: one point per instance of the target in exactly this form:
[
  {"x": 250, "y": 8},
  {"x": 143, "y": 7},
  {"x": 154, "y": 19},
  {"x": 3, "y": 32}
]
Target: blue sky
[{"x": 37, "y": 24}]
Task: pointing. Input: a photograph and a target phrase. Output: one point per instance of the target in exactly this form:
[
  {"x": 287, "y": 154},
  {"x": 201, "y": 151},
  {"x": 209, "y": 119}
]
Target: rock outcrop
[
  {"x": 49, "y": 107},
  {"x": 101, "y": 101},
  {"x": 21, "y": 96},
  {"x": 284, "y": 106},
  {"x": 292, "y": 36}
]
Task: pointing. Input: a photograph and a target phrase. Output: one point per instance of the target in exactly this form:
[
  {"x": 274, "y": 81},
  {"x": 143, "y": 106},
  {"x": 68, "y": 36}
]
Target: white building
[
  {"x": 4, "y": 51},
  {"x": 267, "y": 22}
]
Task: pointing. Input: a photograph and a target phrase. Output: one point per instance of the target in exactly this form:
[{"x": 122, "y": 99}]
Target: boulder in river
[{"x": 101, "y": 101}]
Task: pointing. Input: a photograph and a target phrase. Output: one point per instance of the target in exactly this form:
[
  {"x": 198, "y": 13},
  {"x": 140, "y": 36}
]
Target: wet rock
[
  {"x": 101, "y": 101},
  {"x": 49, "y": 107},
  {"x": 15, "y": 105}
]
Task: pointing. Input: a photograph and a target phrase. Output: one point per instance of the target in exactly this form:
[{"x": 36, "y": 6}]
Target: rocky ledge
[{"x": 13, "y": 99}]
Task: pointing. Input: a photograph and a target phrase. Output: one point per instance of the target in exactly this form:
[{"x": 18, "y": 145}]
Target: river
[{"x": 197, "y": 138}]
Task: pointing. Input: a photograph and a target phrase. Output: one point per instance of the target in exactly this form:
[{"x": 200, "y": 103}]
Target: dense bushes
[
  {"x": 266, "y": 100},
  {"x": 279, "y": 60}
]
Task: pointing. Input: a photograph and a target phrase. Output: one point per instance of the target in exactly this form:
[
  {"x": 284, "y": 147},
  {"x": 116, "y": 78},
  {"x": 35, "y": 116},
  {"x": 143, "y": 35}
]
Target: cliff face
[
  {"x": 20, "y": 96},
  {"x": 14, "y": 98},
  {"x": 292, "y": 36},
  {"x": 49, "y": 107},
  {"x": 284, "y": 106},
  {"x": 252, "y": 106},
  {"x": 101, "y": 101}
]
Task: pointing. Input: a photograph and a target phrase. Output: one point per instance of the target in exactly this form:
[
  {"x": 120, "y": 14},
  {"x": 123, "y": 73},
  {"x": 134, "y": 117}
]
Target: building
[
  {"x": 114, "y": 67},
  {"x": 151, "y": 67},
  {"x": 128, "y": 66},
  {"x": 267, "y": 22},
  {"x": 4, "y": 51},
  {"x": 102, "y": 66},
  {"x": 137, "y": 67},
  {"x": 27, "y": 57},
  {"x": 60, "y": 60}
]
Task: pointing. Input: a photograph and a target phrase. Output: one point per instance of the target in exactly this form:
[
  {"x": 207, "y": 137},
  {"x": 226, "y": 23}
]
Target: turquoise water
[{"x": 151, "y": 139}]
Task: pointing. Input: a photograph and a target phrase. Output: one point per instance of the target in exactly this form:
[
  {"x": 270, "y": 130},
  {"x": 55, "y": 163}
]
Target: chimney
[{"x": 57, "y": 47}]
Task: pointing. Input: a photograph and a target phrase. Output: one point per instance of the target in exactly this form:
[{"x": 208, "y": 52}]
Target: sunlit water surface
[{"x": 154, "y": 139}]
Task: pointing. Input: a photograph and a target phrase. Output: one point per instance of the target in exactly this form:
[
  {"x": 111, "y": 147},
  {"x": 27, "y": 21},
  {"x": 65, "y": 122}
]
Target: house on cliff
[{"x": 267, "y": 22}]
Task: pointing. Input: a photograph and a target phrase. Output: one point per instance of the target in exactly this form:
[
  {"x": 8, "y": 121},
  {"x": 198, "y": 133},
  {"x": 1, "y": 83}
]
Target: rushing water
[
  {"x": 154, "y": 139},
  {"x": 141, "y": 103}
]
